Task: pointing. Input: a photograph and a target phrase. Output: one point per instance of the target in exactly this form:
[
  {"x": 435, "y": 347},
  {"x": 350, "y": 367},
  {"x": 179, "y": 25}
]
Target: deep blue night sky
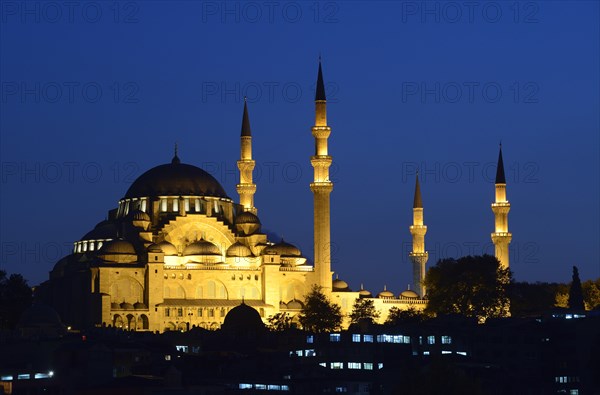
[{"x": 408, "y": 87}]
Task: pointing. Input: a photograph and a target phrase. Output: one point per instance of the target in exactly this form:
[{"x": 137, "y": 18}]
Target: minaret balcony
[
  {"x": 323, "y": 186},
  {"x": 501, "y": 204},
  {"x": 321, "y": 132}
]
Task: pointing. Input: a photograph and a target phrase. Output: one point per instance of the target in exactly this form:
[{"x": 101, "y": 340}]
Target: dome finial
[
  {"x": 175, "y": 159},
  {"x": 320, "y": 91}
]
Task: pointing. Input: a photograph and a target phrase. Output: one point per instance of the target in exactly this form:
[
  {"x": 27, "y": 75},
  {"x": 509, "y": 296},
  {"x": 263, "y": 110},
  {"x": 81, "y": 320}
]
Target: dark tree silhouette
[
  {"x": 279, "y": 322},
  {"x": 318, "y": 313},
  {"x": 15, "y": 297},
  {"x": 576, "y": 293},
  {"x": 398, "y": 316},
  {"x": 473, "y": 286},
  {"x": 364, "y": 310}
]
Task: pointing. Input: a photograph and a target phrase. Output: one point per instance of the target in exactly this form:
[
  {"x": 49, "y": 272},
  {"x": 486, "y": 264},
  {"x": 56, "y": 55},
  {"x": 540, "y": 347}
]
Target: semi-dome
[
  {"x": 409, "y": 293},
  {"x": 126, "y": 306},
  {"x": 154, "y": 248},
  {"x": 283, "y": 249},
  {"x": 168, "y": 248},
  {"x": 247, "y": 217},
  {"x": 175, "y": 179},
  {"x": 102, "y": 231},
  {"x": 247, "y": 223},
  {"x": 239, "y": 250},
  {"x": 201, "y": 247},
  {"x": 138, "y": 215},
  {"x": 140, "y": 306},
  {"x": 118, "y": 246}
]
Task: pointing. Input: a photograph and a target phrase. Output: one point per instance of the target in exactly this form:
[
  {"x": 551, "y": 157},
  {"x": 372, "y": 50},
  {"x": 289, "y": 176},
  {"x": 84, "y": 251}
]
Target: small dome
[
  {"x": 409, "y": 294},
  {"x": 283, "y": 305},
  {"x": 140, "y": 306},
  {"x": 363, "y": 293},
  {"x": 282, "y": 248},
  {"x": 295, "y": 305},
  {"x": 385, "y": 294},
  {"x": 339, "y": 285},
  {"x": 154, "y": 248},
  {"x": 138, "y": 215},
  {"x": 168, "y": 248},
  {"x": 238, "y": 249},
  {"x": 126, "y": 306},
  {"x": 118, "y": 246},
  {"x": 201, "y": 247},
  {"x": 247, "y": 217},
  {"x": 115, "y": 306},
  {"x": 243, "y": 317}
]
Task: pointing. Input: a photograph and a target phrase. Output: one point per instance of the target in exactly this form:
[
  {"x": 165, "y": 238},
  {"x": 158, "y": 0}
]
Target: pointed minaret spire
[
  {"x": 500, "y": 178},
  {"x": 320, "y": 91},
  {"x": 321, "y": 188},
  {"x": 246, "y": 120},
  {"x": 175, "y": 159},
  {"x": 501, "y": 236},
  {"x": 246, "y": 188},
  {"x": 417, "y": 201},
  {"x": 418, "y": 256}
]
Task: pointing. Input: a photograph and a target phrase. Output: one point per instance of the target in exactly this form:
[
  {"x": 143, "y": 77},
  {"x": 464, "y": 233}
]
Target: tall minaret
[
  {"x": 321, "y": 187},
  {"x": 418, "y": 255},
  {"x": 501, "y": 237},
  {"x": 246, "y": 188}
]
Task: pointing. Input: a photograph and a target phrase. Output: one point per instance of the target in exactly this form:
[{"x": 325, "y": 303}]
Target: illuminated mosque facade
[{"x": 178, "y": 252}]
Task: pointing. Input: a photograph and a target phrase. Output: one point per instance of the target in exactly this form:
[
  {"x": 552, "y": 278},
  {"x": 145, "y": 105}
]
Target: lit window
[
  {"x": 380, "y": 365},
  {"x": 197, "y": 205},
  {"x": 285, "y": 388},
  {"x": 334, "y": 337},
  {"x": 200, "y": 312},
  {"x": 341, "y": 389},
  {"x": 354, "y": 365},
  {"x": 175, "y": 204},
  {"x": 167, "y": 357},
  {"x": 462, "y": 353},
  {"x": 211, "y": 312},
  {"x": 91, "y": 246},
  {"x": 167, "y": 312},
  {"x": 425, "y": 352},
  {"x": 356, "y": 338},
  {"x": 244, "y": 386},
  {"x": 273, "y": 387},
  {"x": 99, "y": 244},
  {"x": 144, "y": 205},
  {"x": 446, "y": 340},
  {"x": 368, "y": 366},
  {"x": 260, "y": 386},
  {"x": 298, "y": 353},
  {"x": 446, "y": 352},
  {"x": 186, "y": 204},
  {"x": 337, "y": 365},
  {"x": 310, "y": 353},
  {"x": 222, "y": 312},
  {"x": 163, "y": 204},
  {"x": 430, "y": 339},
  {"x": 23, "y": 376},
  {"x": 323, "y": 364},
  {"x": 180, "y": 312},
  {"x": 6, "y": 378},
  {"x": 573, "y": 392},
  {"x": 368, "y": 338}
]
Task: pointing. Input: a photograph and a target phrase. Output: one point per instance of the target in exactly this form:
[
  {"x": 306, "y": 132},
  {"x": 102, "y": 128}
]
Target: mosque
[{"x": 178, "y": 252}]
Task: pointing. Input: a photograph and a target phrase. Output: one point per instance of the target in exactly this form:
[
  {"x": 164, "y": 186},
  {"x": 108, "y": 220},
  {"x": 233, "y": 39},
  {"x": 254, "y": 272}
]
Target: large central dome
[{"x": 175, "y": 179}]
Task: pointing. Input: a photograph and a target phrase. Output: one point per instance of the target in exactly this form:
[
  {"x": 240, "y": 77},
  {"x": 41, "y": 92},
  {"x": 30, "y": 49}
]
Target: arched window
[{"x": 117, "y": 321}]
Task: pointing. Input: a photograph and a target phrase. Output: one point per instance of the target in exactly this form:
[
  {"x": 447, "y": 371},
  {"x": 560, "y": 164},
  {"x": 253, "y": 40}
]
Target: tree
[
  {"x": 279, "y": 322},
  {"x": 398, "y": 316},
  {"x": 15, "y": 297},
  {"x": 575, "y": 292},
  {"x": 364, "y": 310},
  {"x": 591, "y": 294},
  {"x": 318, "y": 313},
  {"x": 473, "y": 286},
  {"x": 534, "y": 299}
]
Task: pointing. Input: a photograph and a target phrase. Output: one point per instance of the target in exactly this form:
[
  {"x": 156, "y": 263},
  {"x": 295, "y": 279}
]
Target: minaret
[
  {"x": 501, "y": 237},
  {"x": 418, "y": 255},
  {"x": 246, "y": 188},
  {"x": 321, "y": 187}
]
